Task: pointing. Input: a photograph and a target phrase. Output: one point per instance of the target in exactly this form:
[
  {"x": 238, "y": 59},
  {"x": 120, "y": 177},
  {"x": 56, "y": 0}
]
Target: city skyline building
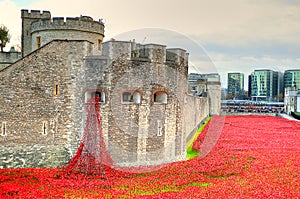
[
  {"x": 249, "y": 86},
  {"x": 292, "y": 79},
  {"x": 235, "y": 86},
  {"x": 266, "y": 85}
]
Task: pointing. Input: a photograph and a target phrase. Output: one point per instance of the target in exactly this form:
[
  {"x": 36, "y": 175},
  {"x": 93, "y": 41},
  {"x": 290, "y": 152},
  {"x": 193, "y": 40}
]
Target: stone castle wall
[
  {"x": 36, "y": 105},
  {"x": 43, "y": 96},
  {"x": 83, "y": 23},
  {"x": 144, "y": 132},
  {"x": 214, "y": 96},
  {"x": 196, "y": 111},
  {"x": 43, "y": 104},
  {"x": 41, "y": 25},
  {"x": 7, "y": 58},
  {"x": 27, "y": 19}
]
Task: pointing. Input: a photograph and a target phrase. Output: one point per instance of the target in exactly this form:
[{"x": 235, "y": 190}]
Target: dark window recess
[
  {"x": 160, "y": 98},
  {"x": 44, "y": 128},
  {"x": 134, "y": 98},
  {"x": 127, "y": 97},
  {"x": 101, "y": 95},
  {"x": 4, "y": 128}
]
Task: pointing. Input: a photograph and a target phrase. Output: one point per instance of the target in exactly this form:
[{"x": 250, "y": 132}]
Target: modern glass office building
[
  {"x": 292, "y": 78},
  {"x": 266, "y": 85},
  {"x": 235, "y": 86}
]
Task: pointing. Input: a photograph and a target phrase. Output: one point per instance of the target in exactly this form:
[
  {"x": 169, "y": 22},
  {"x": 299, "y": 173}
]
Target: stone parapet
[
  {"x": 35, "y": 14},
  {"x": 83, "y": 23}
]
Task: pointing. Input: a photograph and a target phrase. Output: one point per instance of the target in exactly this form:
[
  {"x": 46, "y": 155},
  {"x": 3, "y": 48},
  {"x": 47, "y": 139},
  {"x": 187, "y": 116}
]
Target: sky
[{"x": 221, "y": 36}]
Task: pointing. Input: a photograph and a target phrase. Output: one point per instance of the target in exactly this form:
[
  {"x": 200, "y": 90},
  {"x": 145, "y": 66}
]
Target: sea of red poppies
[{"x": 254, "y": 157}]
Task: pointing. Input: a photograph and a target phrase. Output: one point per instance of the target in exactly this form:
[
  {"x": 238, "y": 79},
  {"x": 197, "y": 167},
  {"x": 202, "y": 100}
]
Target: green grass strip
[
  {"x": 189, "y": 150},
  {"x": 297, "y": 113}
]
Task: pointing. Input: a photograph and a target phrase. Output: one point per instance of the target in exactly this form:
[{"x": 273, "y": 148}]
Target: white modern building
[{"x": 292, "y": 100}]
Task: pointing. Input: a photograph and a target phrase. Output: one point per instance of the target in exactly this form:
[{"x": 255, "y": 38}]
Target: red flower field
[{"x": 254, "y": 157}]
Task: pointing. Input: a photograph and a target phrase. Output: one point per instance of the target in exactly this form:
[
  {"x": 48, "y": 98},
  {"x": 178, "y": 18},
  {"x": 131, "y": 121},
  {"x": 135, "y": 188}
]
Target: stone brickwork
[
  {"x": 196, "y": 111},
  {"x": 147, "y": 116},
  {"x": 7, "y": 58},
  {"x": 214, "y": 96},
  {"x": 146, "y": 132},
  {"x": 36, "y": 103},
  {"x": 43, "y": 103},
  {"x": 38, "y": 29},
  {"x": 35, "y": 155},
  {"x": 27, "y": 19}
]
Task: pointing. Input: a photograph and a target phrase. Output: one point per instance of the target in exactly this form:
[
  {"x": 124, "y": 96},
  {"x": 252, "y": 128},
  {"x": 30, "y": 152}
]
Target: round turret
[{"x": 79, "y": 28}]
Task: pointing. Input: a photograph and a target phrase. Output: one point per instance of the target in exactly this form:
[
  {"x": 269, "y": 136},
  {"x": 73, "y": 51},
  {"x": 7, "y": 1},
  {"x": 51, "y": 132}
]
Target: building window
[
  {"x": 56, "y": 90},
  {"x": 131, "y": 97},
  {"x": 159, "y": 128},
  {"x": 4, "y": 129},
  {"x": 38, "y": 42},
  {"x": 93, "y": 94},
  {"x": 99, "y": 44},
  {"x": 160, "y": 97},
  {"x": 127, "y": 97},
  {"x": 194, "y": 88},
  {"x": 44, "y": 130},
  {"x": 134, "y": 54}
]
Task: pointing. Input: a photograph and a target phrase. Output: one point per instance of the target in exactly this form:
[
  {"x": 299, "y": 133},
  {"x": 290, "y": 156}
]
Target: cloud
[
  {"x": 10, "y": 16},
  {"x": 237, "y": 35}
]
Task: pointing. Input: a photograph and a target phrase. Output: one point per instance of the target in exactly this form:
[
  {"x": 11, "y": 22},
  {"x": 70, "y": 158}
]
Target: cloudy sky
[{"x": 221, "y": 36}]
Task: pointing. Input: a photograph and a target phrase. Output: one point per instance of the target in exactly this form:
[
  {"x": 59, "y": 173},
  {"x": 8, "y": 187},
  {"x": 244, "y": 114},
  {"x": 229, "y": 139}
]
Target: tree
[
  {"x": 4, "y": 37},
  {"x": 280, "y": 97},
  {"x": 228, "y": 96}
]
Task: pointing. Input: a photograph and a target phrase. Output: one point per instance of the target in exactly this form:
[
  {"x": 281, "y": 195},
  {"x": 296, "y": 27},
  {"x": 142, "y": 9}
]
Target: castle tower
[
  {"x": 27, "y": 19},
  {"x": 39, "y": 29}
]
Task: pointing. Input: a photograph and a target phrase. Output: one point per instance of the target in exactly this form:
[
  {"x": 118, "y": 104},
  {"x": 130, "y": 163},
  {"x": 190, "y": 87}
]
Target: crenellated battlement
[
  {"x": 35, "y": 14},
  {"x": 39, "y": 28},
  {"x": 177, "y": 55},
  {"x": 82, "y": 23},
  {"x": 148, "y": 52}
]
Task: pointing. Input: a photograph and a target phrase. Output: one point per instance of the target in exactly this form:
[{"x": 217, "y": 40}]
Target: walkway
[{"x": 283, "y": 115}]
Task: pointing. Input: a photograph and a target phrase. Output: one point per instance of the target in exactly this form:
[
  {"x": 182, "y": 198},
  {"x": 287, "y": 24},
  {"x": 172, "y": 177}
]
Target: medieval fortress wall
[
  {"x": 38, "y": 28},
  {"x": 147, "y": 115},
  {"x": 7, "y": 58},
  {"x": 36, "y": 105}
]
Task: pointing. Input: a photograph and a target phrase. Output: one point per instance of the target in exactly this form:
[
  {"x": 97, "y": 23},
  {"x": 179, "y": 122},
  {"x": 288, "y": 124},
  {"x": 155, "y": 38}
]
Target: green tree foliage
[{"x": 4, "y": 37}]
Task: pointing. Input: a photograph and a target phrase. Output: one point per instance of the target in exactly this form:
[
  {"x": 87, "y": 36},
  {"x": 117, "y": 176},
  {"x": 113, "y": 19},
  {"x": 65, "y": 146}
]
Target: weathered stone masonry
[
  {"x": 43, "y": 105},
  {"x": 36, "y": 117},
  {"x": 145, "y": 132},
  {"x": 38, "y": 28},
  {"x": 147, "y": 115}
]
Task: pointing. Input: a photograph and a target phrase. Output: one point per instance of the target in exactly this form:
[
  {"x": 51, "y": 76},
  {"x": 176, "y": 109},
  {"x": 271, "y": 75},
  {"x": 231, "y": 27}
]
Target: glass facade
[
  {"x": 266, "y": 85},
  {"x": 235, "y": 86},
  {"x": 292, "y": 79}
]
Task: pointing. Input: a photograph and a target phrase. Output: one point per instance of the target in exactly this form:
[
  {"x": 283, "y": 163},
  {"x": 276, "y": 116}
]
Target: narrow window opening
[
  {"x": 56, "y": 91},
  {"x": 4, "y": 128},
  {"x": 102, "y": 97},
  {"x": 134, "y": 54},
  {"x": 38, "y": 42},
  {"x": 44, "y": 128},
  {"x": 159, "y": 128},
  {"x": 99, "y": 44}
]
